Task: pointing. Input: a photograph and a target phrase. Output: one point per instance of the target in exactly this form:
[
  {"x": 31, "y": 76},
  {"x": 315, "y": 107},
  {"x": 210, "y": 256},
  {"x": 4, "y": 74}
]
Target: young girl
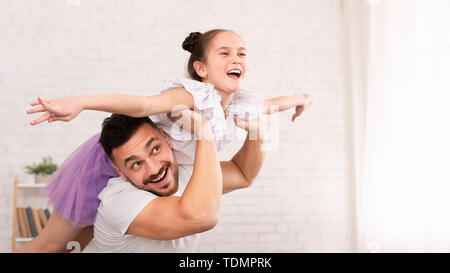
[{"x": 217, "y": 66}]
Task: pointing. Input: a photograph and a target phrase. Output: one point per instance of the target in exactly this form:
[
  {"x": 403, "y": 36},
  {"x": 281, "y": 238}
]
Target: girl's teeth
[{"x": 234, "y": 71}]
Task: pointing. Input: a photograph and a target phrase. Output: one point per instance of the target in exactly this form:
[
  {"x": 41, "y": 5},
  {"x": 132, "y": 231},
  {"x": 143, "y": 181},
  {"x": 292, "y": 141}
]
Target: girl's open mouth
[{"x": 234, "y": 73}]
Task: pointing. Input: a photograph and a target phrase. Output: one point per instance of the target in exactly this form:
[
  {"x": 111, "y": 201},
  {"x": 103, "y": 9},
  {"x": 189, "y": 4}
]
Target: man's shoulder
[
  {"x": 185, "y": 172},
  {"x": 119, "y": 191},
  {"x": 120, "y": 203},
  {"x": 115, "y": 186},
  {"x": 184, "y": 176}
]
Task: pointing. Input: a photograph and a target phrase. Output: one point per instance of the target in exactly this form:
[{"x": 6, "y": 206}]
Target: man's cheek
[{"x": 168, "y": 156}]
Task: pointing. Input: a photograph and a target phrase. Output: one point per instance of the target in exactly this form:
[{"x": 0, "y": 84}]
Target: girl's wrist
[
  {"x": 85, "y": 102},
  {"x": 297, "y": 99}
]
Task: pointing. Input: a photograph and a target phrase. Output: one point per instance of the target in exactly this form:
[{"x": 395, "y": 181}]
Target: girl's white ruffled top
[{"x": 245, "y": 104}]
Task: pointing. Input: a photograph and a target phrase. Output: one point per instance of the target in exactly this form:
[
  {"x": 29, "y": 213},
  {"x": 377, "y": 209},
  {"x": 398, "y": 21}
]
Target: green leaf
[{"x": 45, "y": 167}]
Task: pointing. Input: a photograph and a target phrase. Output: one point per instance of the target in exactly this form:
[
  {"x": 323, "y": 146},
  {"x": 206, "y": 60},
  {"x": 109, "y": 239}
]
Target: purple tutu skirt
[{"x": 74, "y": 188}]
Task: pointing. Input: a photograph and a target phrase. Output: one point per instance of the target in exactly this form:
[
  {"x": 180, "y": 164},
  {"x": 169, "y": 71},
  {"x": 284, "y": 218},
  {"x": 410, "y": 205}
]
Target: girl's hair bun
[{"x": 190, "y": 41}]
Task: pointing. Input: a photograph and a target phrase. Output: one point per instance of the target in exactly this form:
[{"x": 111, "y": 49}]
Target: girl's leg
[{"x": 55, "y": 236}]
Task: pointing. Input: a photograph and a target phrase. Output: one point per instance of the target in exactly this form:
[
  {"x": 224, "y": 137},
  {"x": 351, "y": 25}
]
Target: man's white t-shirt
[{"x": 120, "y": 203}]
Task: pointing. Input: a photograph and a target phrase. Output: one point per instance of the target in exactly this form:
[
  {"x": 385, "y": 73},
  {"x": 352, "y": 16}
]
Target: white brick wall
[{"x": 301, "y": 199}]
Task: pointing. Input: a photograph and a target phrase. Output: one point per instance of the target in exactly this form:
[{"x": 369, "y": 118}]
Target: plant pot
[{"x": 41, "y": 179}]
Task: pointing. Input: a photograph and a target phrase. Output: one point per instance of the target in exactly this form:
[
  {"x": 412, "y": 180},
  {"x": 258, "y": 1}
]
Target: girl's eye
[
  {"x": 224, "y": 53},
  {"x": 242, "y": 54}
]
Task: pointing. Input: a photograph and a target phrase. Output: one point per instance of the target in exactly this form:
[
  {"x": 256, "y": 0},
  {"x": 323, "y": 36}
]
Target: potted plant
[{"x": 42, "y": 171}]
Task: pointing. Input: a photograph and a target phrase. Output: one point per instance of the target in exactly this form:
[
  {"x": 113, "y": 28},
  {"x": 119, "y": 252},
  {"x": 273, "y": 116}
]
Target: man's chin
[
  {"x": 172, "y": 188},
  {"x": 168, "y": 192}
]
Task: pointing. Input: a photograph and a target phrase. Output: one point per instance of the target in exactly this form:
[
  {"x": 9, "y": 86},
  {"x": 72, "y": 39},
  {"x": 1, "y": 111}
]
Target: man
[{"x": 157, "y": 205}]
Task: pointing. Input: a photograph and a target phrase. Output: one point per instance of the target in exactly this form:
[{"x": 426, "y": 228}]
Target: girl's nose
[{"x": 236, "y": 60}]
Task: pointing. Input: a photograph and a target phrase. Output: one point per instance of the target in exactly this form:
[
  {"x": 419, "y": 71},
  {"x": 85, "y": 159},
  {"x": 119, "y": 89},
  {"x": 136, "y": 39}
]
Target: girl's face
[{"x": 226, "y": 65}]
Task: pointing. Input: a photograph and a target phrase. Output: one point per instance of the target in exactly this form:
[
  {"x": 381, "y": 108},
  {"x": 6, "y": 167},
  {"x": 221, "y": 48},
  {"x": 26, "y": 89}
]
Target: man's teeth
[{"x": 161, "y": 176}]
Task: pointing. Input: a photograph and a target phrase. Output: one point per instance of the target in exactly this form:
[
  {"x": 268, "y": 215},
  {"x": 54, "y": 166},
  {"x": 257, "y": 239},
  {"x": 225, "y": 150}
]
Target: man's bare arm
[
  {"x": 172, "y": 217},
  {"x": 242, "y": 169}
]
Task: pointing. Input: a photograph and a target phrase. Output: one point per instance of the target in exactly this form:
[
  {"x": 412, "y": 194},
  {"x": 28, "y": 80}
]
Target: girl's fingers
[
  {"x": 305, "y": 98},
  {"x": 54, "y": 118},
  {"x": 241, "y": 123},
  {"x": 35, "y": 110},
  {"x": 43, "y": 102},
  {"x": 44, "y": 117},
  {"x": 38, "y": 101},
  {"x": 296, "y": 114}
]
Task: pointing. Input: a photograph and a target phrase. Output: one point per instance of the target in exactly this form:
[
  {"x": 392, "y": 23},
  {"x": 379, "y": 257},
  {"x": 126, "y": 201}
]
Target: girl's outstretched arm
[
  {"x": 67, "y": 108},
  {"x": 279, "y": 104}
]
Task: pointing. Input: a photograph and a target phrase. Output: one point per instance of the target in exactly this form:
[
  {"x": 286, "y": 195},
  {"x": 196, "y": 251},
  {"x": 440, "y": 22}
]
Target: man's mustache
[{"x": 153, "y": 177}]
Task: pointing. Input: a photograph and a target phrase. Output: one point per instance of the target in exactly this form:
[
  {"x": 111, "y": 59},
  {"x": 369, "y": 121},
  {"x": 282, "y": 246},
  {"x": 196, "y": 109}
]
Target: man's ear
[
  {"x": 119, "y": 171},
  {"x": 200, "y": 68},
  {"x": 166, "y": 136}
]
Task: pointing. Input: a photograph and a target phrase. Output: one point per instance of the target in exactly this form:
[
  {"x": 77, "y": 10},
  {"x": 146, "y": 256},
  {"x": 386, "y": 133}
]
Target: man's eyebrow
[
  {"x": 128, "y": 159},
  {"x": 133, "y": 157},
  {"x": 149, "y": 142}
]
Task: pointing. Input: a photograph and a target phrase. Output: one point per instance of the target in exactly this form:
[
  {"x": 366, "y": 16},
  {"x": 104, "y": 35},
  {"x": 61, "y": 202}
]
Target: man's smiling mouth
[{"x": 160, "y": 177}]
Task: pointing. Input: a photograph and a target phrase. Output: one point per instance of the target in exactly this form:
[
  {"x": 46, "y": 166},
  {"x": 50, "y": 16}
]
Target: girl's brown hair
[{"x": 197, "y": 44}]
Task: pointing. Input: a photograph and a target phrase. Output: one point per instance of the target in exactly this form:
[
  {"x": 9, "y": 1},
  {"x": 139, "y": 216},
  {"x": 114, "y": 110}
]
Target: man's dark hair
[{"x": 118, "y": 129}]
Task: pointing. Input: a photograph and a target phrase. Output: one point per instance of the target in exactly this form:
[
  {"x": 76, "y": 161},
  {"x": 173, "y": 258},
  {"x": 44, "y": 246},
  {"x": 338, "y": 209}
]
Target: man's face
[{"x": 147, "y": 161}]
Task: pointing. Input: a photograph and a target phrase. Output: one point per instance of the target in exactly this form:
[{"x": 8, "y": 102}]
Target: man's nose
[{"x": 152, "y": 168}]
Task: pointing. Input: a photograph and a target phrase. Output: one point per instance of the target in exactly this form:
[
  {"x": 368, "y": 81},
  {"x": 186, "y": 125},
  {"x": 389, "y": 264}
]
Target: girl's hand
[
  {"x": 301, "y": 106},
  {"x": 191, "y": 121},
  {"x": 63, "y": 109}
]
